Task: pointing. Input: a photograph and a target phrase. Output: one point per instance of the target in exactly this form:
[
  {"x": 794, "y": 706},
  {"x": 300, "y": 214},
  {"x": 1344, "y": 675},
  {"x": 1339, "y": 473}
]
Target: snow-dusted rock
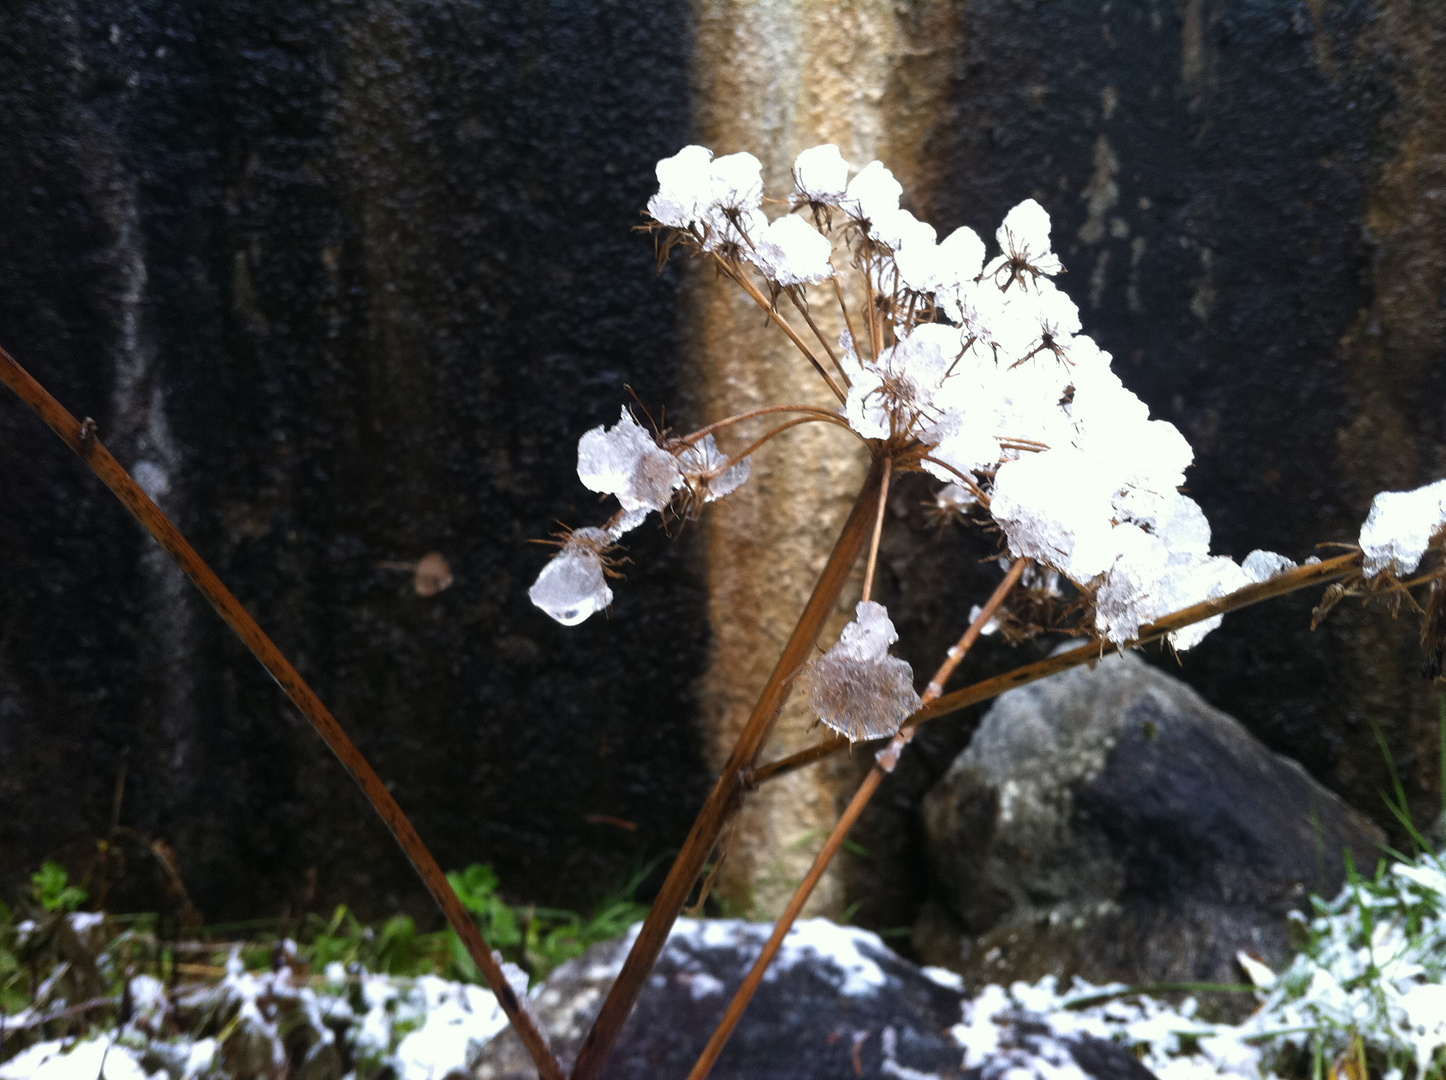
[
  {"x": 836, "y": 995},
  {"x": 1109, "y": 823}
]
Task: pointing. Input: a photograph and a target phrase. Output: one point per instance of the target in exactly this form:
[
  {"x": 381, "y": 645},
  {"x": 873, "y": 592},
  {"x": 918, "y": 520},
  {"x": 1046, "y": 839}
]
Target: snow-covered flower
[
  {"x": 1401, "y": 526},
  {"x": 856, "y": 687},
  {"x": 708, "y": 472},
  {"x": 624, "y": 460},
  {"x": 573, "y": 585},
  {"x": 1024, "y": 247},
  {"x": 685, "y": 188},
  {"x": 820, "y": 175},
  {"x": 873, "y": 193},
  {"x": 790, "y": 251}
]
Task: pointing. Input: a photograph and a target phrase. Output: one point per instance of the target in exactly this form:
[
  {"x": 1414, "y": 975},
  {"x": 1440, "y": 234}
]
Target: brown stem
[
  {"x": 779, "y": 430},
  {"x": 878, "y": 529},
  {"x": 724, "y": 799},
  {"x": 843, "y": 307},
  {"x": 81, "y": 438},
  {"x": 1291, "y": 581},
  {"x": 875, "y": 332},
  {"x": 741, "y": 277},
  {"x": 728, "y": 421},
  {"x": 808, "y": 318},
  {"x": 884, "y": 763}
]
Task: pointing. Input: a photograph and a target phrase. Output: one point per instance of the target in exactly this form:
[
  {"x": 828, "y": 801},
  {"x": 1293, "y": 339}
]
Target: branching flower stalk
[
  {"x": 975, "y": 372},
  {"x": 81, "y": 437},
  {"x": 885, "y": 762}
]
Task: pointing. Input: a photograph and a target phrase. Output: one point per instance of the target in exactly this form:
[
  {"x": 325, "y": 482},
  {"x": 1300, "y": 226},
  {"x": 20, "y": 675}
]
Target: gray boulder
[
  {"x": 1109, "y": 823},
  {"x": 837, "y": 1003}
]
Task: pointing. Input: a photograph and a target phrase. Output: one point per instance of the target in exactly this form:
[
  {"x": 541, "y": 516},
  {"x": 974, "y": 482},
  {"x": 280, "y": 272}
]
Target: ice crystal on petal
[
  {"x": 685, "y": 187},
  {"x": 625, "y": 461},
  {"x": 1024, "y": 244},
  {"x": 857, "y": 688},
  {"x": 1400, "y": 528},
  {"x": 1263, "y": 565},
  {"x": 873, "y": 193},
  {"x": 572, "y": 585},
  {"x": 821, "y": 175},
  {"x": 790, "y": 251},
  {"x": 707, "y": 470}
]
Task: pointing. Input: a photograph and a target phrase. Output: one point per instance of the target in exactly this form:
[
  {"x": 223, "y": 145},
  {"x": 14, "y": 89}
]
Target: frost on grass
[
  {"x": 1371, "y": 977},
  {"x": 574, "y": 584},
  {"x": 856, "y": 687},
  {"x": 1401, "y": 526}
]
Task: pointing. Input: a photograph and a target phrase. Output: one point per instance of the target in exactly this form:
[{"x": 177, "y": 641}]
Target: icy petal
[
  {"x": 625, "y": 461},
  {"x": 857, "y": 688},
  {"x": 685, "y": 187},
  {"x": 572, "y": 585}
]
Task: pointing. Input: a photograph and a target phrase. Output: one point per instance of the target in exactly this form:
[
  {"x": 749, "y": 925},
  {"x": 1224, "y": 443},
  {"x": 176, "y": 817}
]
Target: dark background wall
[{"x": 351, "y": 278}]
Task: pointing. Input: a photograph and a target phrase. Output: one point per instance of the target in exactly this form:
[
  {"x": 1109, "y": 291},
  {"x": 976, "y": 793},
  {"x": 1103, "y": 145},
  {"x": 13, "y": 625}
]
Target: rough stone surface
[
  {"x": 1111, "y": 824},
  {"x": 859, "y": 1010}
]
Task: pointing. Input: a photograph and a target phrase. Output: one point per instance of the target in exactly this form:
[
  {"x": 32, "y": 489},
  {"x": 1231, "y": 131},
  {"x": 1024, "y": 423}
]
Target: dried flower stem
[
  {"x": 741, "y": 276},
  {"x": 878, "y": 529},
  {"x": 724, "y": 800},
  {"x": 793, "y": 294},
  {"x": 843, "y": 307},
  {"x": 1291, "y": 581},
  {"x": 719, "y": 425},
  {"x": 779, "y": 430},
  {"x": 81, "y": 438},
  {"x": 884, "y": 763}
]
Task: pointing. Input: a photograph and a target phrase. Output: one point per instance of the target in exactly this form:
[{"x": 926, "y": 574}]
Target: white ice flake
[
  {"x": 790, "y": 251},
  {"x": 1401, "y": 526},
  {"x": 856, "y": 687},
  {"x": 626, "y": 461},
  {"x": 820, "y": 175},
  {"x": 573, "y": 585}
]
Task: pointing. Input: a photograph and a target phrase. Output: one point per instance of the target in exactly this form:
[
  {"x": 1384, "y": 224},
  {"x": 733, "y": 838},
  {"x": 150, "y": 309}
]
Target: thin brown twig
[
  {"x": 1301, "y": 577},
  {"x": 741, "y": 277},
  {"x": 723, "y": 801},
  {"x": 808, "y": 318},
  {"x": 719, "y": 425},
  {"x": 779, "y": 430},
  {"x": 81, "y": 438},
  {"x": 884, "y": 764},
  {"x": 843, "y": 307},
  {"x": 878, "y": 529}
]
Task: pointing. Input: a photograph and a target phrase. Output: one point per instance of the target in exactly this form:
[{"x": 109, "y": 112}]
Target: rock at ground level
[
  {"x": 1111, "y": 824},
  {"x": 836, "y": 1003}
]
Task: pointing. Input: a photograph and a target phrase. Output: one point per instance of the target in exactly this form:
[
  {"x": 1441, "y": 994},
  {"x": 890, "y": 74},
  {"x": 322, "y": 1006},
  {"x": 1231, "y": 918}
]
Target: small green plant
[{"x": 50, "y": 885}]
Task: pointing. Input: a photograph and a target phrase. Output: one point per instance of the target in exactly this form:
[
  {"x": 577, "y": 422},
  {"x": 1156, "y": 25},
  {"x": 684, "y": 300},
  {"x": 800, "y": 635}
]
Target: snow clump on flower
[
  {"x": 856, "y": 687},
  {"x": 626, "y": 461},
  {"x": 1401, "y": 526},
  {"x": 574, "y": 584}
]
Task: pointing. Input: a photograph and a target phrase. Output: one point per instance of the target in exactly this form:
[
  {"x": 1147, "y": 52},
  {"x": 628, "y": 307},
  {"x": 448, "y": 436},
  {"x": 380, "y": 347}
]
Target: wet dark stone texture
[
  {"x": 1108, "y": 823},
  {"x": 1274, "y": 287},
  {"x": 352, "y": 278}
]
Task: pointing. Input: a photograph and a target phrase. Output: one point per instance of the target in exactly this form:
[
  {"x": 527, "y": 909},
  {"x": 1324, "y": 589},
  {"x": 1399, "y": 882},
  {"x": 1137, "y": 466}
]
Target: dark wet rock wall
[{"x": 350, "y": 279}]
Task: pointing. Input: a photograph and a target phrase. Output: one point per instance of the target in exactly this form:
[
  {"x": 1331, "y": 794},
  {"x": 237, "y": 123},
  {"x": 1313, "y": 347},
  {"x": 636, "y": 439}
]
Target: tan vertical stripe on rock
[{"x": 775, "y": 78}]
